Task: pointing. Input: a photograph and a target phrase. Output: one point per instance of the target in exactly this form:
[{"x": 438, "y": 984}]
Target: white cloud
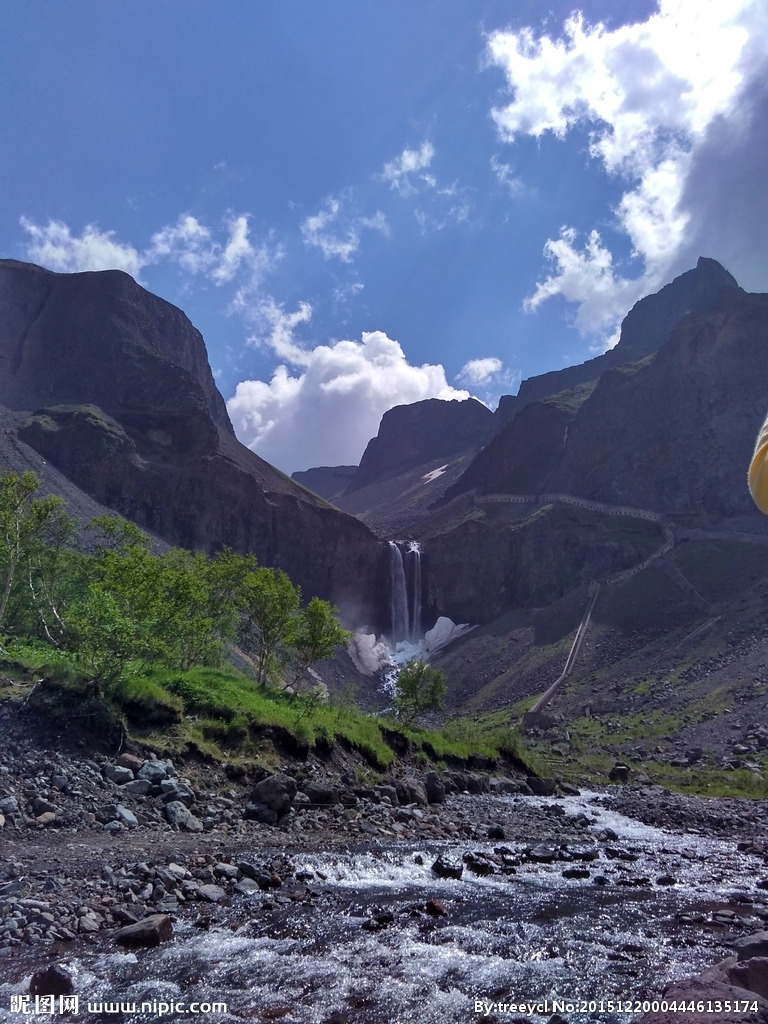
[
  {"x": 650, "y": 93},
  {"x": 188, "y": 243},
  {"x": 55, "y": 247},
  {"x": 505, "y": 176},
  {"x": 480, "y": 371},
  {"x": 401, "y": 171},
  {"x": 328, "y": 409},
  {"x": 337, "y": 234}
]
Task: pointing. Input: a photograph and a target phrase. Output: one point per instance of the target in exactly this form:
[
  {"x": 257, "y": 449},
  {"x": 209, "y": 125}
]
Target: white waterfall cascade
[
  {"x": 406, "y": 639},
  {"x": 414, "y": 562},
  {"x": 398, "y": 594}
]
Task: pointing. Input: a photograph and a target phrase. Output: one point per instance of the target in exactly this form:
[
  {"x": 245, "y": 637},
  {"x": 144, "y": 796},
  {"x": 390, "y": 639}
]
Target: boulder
[
  {"x": 434, "y": 788},
  {"x": 411, "y": 791},
  {"x": 150, "y": 931},
  {"x": 117, "y": 774},
  {"x": 276, "y": 792},
  {"x": 541, "y": 787},
  {"x": 130, "y": 761},
  {"x": 319, "y": 792},
  {"x": 754, "y": 945},
  {"x": 447, "y": 869},
  {"x": 620, "y": 773},
  {"x": 51, "y": 981}
]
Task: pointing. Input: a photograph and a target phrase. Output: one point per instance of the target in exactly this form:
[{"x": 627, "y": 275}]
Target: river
[{"x": 356, "y": 944}]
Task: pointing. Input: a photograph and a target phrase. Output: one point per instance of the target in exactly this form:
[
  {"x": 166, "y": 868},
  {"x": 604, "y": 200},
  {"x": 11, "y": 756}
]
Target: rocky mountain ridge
[{"x": 120, "y": 398}]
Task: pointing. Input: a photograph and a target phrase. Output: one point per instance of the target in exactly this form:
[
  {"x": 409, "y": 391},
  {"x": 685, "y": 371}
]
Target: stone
[
  {"x": 137, "y": 787},
  {"x": 153, "y": 771},
  {"x": 130, "y": 761},
  {"x": 127, "y": 817},
  {"x": 172, "y": 789},
  {"x": 447, "y": 869},
  {"x": 319, "y": 792},
  {"x": 117, "y": 774},
  {"x": 411, "y": 791},
  {"x": 150, "y": 931},
  {"x": 434, "y": 788},
  {"x": 211, "y": 893},
  {"x": 277, "y": 792},
  {"x": 9, "y": 805},
  {"x": 619, "y": 773},
  {"x": 51, "y": 981},
  {"x": 260, "y": 812},
  {"x": 177, "y": 813},
  {"x": 41, "y": 806},
  {"x": 436, "y": 908},
  {"x": 541, "y": 787},
  {"x": 46, "y": 818},
  {"x": 749, "y": 946}
]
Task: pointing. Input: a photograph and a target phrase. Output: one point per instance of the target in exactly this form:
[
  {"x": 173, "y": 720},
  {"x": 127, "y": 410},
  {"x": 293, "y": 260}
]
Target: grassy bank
[{"x": 223, "y": 715}]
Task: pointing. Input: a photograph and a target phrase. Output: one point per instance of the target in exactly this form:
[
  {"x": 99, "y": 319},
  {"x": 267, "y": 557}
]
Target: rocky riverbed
[{"x": 311, "y": 895}]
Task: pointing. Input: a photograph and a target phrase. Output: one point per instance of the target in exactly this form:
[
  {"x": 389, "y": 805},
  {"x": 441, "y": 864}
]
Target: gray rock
[
  {"x": 541, "y": 787},
  {"x": 177, "y": 814},
  {"x": 260, "y": 812},
  {"x": 117, "y": 774},
  {"x": 126, "y": 817},
  {"x": 277, "y": 792},
  {"x": 9, "y": 805},
  {"x": 40, "y": 806},
  {"x": 211, "y": 893},
  {"x": 51, "y": 981},
  {"x": 321, "y": 792},
  {"x": 411, "y": 791},
  {"x": 173, "y": 790},
  {"x": 137, "y": 787},
  {"x": 754, "y": 945},
  {"x": 434, "y": 788},
  {"x": 150, "y": 931},
  {"x": 153, "y": 771},
  {"x": 447, "y": 869}
]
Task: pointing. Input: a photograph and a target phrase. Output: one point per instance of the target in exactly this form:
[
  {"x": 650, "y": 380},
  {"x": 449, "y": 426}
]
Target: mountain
[
  {"x": 119, "y": 397},
  {"x": 646, "y": 327},
  {"x": 411, "y": 435},
  {"x": 672, "y": 429},
  {"x": 327, "y": 481}
]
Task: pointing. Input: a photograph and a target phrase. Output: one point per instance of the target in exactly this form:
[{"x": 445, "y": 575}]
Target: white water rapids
[{"x": 533, "y": 935}]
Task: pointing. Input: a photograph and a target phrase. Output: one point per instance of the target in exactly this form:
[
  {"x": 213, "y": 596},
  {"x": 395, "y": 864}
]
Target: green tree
[
  {"x": 318, "y": 634},
  {"x": 23, "y": 521},
  {"x": 269, "y": 603},
  {"x": 418, "y": 688}
]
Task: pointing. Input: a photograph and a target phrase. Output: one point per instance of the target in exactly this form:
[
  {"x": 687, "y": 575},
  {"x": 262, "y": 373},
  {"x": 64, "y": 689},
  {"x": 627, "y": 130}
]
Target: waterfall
[
  {"x": 398, "y": 595},
  {"x": 414, "y": 558}
]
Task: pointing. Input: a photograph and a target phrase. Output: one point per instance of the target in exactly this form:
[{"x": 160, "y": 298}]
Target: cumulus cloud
[
  {"x": 325, "y": 410},
  {"x": 190, "y": 244},
  {"x": 401, "y": 172},
  {"x": 335, "y": 233},
  {"x": 650, "y": 93},
  {"x": 480, "y": 371},
  {"x": 55, "y": 247}
]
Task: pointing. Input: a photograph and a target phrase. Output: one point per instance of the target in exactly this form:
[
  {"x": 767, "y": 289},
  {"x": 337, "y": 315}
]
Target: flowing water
[{"x": 528, "y": 937}]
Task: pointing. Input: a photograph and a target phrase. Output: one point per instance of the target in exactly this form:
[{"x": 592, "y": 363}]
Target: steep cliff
[
  {"x": 646, "y": 327},
  {"x": 413, "y": 435},
  {"x": 123, "y": 402},
  {"x": 672, "y": 431}
]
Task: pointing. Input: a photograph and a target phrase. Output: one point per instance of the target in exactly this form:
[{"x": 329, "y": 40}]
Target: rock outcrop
[
  {"x": 647, "y": 326},
  {"x": 123, "y": 402},
  {"x": 413, "y": 435},
  {"x": 672, "y": 432}
]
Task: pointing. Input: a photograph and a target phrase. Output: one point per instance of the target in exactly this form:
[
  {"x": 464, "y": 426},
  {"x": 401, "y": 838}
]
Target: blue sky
[{"x": 362, "y": 203}]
